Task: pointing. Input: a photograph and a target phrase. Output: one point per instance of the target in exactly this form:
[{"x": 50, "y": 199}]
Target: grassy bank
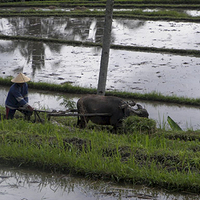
[
  {"x": 68, "y": 88},
  {"x": 144, "y": 155},
  {"x": 102, "y": 3},
  {"x": 182, "y": 52},
  {"x": 90, "y": 8},
  {"x": 134, "y": 14}
]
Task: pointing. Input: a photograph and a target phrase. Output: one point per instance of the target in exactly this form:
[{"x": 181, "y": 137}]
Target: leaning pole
[{"x": 105, "y": 48}]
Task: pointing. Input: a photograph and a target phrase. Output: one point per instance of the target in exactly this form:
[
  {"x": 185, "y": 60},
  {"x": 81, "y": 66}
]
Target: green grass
[
  {"x": 182, "y": 52},
  {"x": 86, "y": 5},
  {"x": 138, "y": 14},
  {"x": 75, "y": 2},
  {"x": 139, "y": 157}
]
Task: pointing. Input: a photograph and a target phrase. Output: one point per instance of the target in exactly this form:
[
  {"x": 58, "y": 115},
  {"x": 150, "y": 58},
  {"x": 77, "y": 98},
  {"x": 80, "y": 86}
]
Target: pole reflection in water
[{"x": 128, "y": 71}]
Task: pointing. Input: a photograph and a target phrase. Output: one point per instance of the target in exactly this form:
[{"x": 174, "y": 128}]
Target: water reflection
[
  {"x": 19, "y": 183},
  {"x": 179, "y": 35},
  {"x": 54, "y": 27},
  {"x": 128, "y": 70},
  {"x": 83, "y": 29}
]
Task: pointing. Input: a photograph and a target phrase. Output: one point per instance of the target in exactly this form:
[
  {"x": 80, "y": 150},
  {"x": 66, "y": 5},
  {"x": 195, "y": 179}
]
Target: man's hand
[{"x": 30, "y": 108}]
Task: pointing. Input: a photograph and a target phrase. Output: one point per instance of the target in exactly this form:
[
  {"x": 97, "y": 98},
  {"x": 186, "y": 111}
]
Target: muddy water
[{"x": 25, "y": 184}]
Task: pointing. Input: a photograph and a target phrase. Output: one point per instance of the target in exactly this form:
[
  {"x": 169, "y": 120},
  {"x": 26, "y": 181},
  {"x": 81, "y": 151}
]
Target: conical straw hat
[{"x": 20, "y": 78}]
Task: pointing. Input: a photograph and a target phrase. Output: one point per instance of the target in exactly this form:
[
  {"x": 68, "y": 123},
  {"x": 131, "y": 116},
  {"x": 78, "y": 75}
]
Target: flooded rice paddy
[
  {"x": 128, "y": 71},
  {"x": 26, "y": 184},
  {"x": 161, "y": 34}
]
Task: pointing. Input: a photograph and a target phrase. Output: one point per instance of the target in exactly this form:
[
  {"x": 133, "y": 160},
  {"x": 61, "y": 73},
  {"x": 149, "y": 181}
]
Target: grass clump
[{"x": 139, "y": 124}]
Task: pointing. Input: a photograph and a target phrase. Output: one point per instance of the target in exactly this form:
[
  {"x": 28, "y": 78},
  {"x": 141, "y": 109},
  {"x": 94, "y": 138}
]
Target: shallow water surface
[
  {"x": 162, "y": 34},
  {"x": 25, "y": 184},
  {"x": 127, "y": 71}
]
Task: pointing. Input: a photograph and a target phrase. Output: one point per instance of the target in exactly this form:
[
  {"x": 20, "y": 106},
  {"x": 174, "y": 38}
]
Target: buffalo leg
[{"x": 82, "y": 122}]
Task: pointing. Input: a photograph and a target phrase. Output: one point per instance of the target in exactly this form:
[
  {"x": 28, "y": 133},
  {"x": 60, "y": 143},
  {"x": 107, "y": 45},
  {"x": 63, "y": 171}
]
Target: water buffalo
[{"x": 110, "y": 110}]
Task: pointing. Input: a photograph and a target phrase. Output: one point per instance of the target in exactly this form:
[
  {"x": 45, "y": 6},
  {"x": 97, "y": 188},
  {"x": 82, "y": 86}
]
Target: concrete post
[{"x": 105, "y": 48}]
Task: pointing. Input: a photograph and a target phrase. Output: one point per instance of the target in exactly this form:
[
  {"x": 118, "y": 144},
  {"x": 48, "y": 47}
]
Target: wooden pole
[{"x": 105, "y": 48}]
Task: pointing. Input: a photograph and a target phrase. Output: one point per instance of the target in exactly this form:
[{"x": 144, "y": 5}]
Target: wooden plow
[{"x": 68, "y": 113}]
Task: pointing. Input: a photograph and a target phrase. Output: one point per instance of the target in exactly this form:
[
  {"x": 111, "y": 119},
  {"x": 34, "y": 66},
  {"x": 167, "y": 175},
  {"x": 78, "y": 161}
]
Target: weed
[{"x": 139, "y": 124}]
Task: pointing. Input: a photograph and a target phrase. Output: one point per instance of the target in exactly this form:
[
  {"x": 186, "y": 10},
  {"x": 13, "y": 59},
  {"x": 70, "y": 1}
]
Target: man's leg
[{"x": 10, "y": 113}]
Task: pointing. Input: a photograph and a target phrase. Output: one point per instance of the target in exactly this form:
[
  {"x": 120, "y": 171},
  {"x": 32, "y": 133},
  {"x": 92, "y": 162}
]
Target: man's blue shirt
[{"x": 17, "y": 96}]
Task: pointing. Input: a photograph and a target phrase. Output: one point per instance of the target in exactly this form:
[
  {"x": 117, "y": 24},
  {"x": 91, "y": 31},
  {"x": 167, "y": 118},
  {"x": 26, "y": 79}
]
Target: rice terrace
[{"x": 60, "y": 58}]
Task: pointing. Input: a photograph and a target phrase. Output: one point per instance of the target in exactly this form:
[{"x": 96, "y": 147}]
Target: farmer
[{"x": 17, "y": 97}]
